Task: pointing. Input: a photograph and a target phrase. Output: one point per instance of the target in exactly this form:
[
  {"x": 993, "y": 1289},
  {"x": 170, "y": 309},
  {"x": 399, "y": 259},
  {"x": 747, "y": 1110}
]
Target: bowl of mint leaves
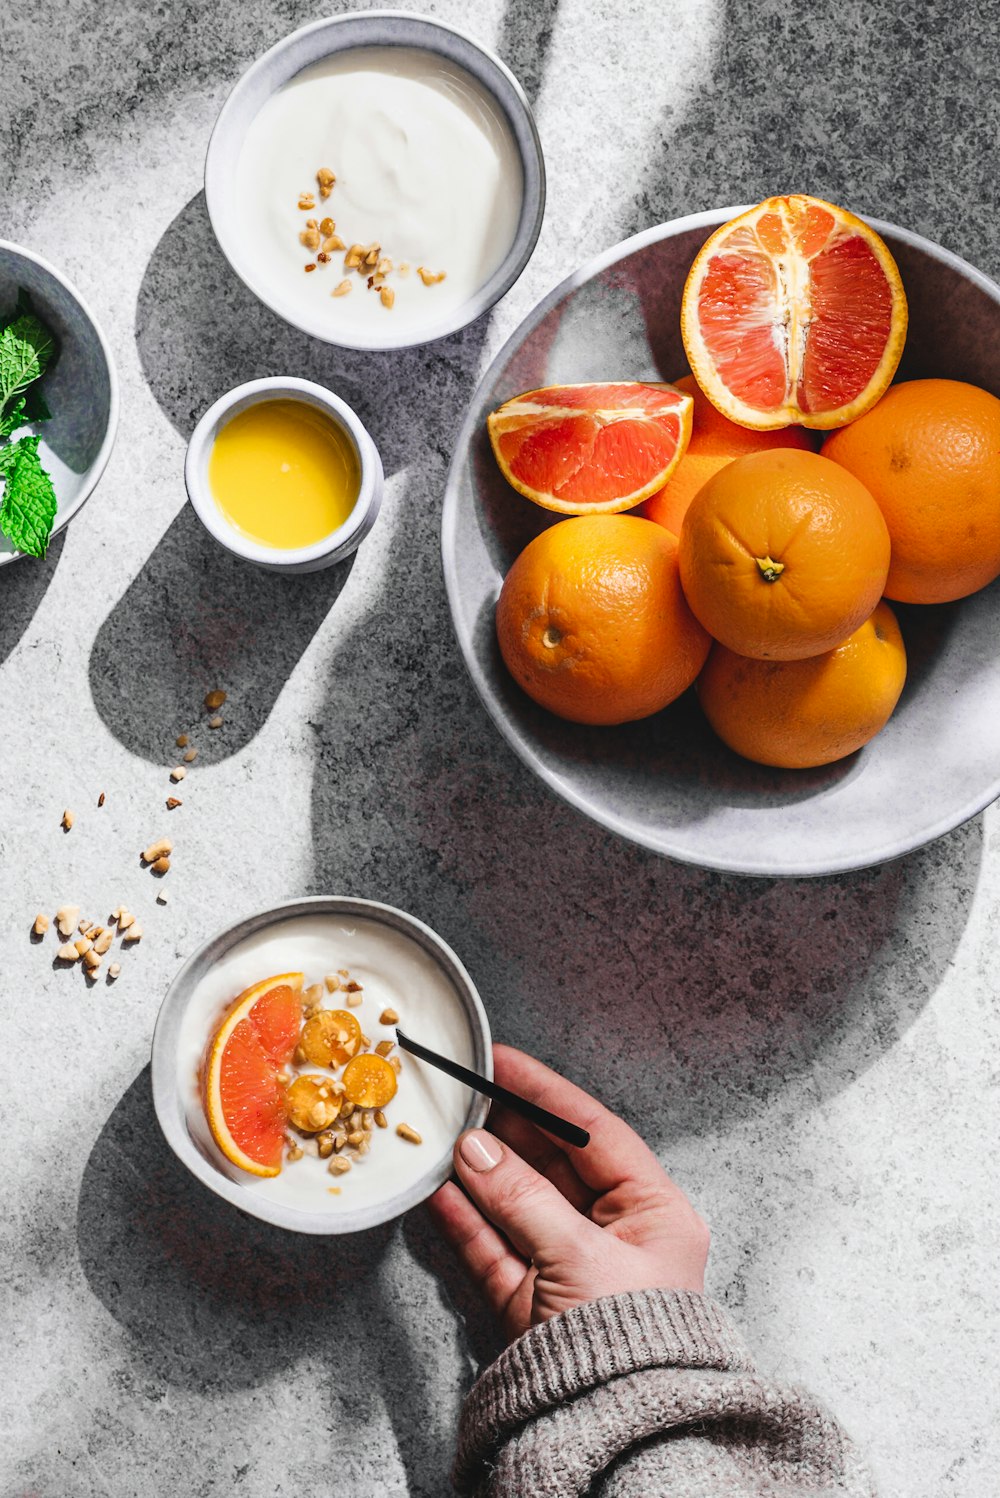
[{"x": 58, "y": 402}]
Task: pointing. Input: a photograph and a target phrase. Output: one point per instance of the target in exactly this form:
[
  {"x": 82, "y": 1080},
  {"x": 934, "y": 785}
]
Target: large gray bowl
[
  {"x": 668, "y": 783},
  {"x": 173, "y": 1104},
  {"x": 81, "y": 387}
]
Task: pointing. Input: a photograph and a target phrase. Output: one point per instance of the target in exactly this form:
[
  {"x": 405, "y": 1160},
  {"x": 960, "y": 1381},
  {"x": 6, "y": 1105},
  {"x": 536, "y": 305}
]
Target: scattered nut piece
[
  {"x": 95, "y": 932},
  {"x": 100, "y": 799},
  {"x": 66, "y": 918},
  {"x": 339, "y": 1165},
  {"x": 405, "y": 1132},
  {"x": 381, "y": 1121},
  {"x": 352, "y": 985},
  {"x": 341, "y": 288},
  {"x": 214, "y": 700},
  {"x": 309, "y": 267},
  {"x": 67, "y": 952},
  {"x": 332, "y": 982},
  {"x": 325, "y": 1144},
  {"x": 173, "y": 803},
  {"x": 182, "y": 741},
  {"x": 133, "y": 931},
  {"x": 326, "y": 225},
  {"x": 92, "y": 959},
  {"x": 294, "y": 1151},
  {"x": 68, "y": 819},
  {"x": 306, "y": 201},
  {"x": 354, "y": 999},
  {"x": 125, "y": 919},
  {"x": 313, "y": 996},
  {"x": 428, "y": 277},
  {"x": 83, "y": 944},
  {"x": 331, "y": 243},
  {"x": 403, "y": 267},
  {"x": 216, "y": 722},
  {"x": 310, "y": 238},
  {"x": 354, "y": 257},
  {"x": 384, "y": 1047},
  {"x": 160, "y": 865},
  {"x": 388, "y": 1017},
  {"x": 190, "y": 756},
  {"x": 178, "y": 773},
  {"x": 157, "y": 849},
  {"x": 162, "y": 897},
  {"x": 103, "y": 942},
  {"x": 326, "y": 179},
  {"x": 114, "y": 970},
  {"x": 395, "y": 1063},
  {"x": 41, "y": 924},
  {"x": 372, "y": 254},
  {"x": 84, "y": 927},
  {"x": 387, "y": 296}
]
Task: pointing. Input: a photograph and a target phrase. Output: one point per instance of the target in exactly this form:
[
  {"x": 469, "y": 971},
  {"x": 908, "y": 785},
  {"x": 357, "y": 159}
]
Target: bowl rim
[
  {"x": 879, "y": 853},
  {"x": 168, "y": 1104},
  {"x": 100, "y": 462},
  {"x": 256, "y": 392},
  {"x": 533, "y": 190}
]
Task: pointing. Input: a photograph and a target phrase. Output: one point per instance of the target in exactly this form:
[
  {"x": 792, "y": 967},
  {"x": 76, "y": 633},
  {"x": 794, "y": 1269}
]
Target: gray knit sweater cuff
[{"x": 590, "y": 1345}]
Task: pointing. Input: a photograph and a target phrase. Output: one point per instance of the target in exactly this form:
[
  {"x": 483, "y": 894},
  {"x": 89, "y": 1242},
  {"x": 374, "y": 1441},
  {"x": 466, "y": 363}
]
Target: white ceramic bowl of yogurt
[
  {"x": 402, "y": 965},
  {"x": 437, "y": 163}
]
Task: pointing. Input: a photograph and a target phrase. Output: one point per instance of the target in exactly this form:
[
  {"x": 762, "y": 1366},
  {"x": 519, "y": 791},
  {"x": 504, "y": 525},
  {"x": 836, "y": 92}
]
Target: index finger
[{"x": 615, "y": 1153}]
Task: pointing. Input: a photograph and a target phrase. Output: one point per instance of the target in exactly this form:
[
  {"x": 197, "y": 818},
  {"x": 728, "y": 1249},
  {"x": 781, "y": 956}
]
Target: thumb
[{"x": 527, "y": 1208}]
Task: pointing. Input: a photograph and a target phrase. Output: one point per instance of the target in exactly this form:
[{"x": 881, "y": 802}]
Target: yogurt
[
  {"x": 396, "y": 972},
  {"x": 426, "y": 167}
]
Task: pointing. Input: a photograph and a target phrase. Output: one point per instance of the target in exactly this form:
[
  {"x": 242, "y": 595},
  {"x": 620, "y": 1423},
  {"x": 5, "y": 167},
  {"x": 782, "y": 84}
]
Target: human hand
[{"x": 546, "y": 1226}]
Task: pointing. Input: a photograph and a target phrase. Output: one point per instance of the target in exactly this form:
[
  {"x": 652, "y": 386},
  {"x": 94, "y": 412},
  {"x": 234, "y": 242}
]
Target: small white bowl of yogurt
[
  {"x": 381, "y": 962},
  {"x": 377, "y": 179}
]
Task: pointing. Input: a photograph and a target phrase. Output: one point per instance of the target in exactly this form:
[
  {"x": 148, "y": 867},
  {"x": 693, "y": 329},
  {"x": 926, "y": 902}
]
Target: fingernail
[{"x": 480, "y": 1150}]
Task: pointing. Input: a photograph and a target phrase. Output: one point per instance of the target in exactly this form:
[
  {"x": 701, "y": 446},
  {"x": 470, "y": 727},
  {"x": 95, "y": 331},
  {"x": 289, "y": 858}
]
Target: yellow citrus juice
[{"x": 284, "y": 474}]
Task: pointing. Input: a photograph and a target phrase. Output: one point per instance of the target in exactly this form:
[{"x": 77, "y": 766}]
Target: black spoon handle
[{"x": 570, "y": 1133}]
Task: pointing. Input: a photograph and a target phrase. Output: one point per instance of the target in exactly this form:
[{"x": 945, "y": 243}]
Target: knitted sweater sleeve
[{"x": 643, "y": 1395}]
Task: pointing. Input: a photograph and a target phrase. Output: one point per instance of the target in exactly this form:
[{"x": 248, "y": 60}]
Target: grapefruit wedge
[
  {"x": 591, "y": 449},
  {"x": 794, "y": 312},
  {"x": 244, "y": 1097}
]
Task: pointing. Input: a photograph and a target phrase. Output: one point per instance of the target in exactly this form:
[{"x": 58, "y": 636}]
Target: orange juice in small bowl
[{"x": 283, "y": 473}]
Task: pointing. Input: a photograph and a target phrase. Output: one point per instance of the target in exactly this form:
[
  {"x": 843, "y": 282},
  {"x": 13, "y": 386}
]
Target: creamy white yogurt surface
[
  {"x": 426, "y": 166},
  {"x": 396, "y": 973}
]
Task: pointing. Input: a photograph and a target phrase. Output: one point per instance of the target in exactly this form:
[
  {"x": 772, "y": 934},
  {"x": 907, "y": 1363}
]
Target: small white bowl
[
  {"x": 322, "y": 39},
  {"x": 332, "y": 548},
  {"x": 81, "y": 387},
  {"x": 296, "y": 933}
]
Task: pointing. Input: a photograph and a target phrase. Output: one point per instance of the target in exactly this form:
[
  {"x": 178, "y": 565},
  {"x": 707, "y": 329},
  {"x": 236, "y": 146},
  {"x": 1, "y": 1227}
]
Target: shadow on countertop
[
  {"x": 215, "y": 1301},
  {"x": 22, "y": 587}
]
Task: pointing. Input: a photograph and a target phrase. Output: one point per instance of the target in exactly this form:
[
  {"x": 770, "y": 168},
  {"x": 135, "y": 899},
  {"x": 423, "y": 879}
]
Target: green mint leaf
[
  {"x": 36, "y": 407},
  {"x": 14, "y": 418},
  {"x": 26, "y": 347},
  {"x": 28, "y": 503}
]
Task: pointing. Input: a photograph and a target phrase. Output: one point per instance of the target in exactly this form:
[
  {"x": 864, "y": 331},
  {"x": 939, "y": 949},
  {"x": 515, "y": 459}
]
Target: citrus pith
[
  {"x": 244, "y": 1099},
  {"x": 591, "y": 449},
  {"x": 794, "y": 312}
]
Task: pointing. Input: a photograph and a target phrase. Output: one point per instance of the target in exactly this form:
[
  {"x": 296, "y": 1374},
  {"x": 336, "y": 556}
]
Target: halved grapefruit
[
  {"x": 794, "y": 312},
  {"x": 244, "y": 1098},
  {"x": 591, "y": 449}
]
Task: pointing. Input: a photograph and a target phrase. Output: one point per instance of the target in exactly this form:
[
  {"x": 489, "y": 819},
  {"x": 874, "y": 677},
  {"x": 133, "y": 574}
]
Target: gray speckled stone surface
[{"x": 817, "y": 1062}]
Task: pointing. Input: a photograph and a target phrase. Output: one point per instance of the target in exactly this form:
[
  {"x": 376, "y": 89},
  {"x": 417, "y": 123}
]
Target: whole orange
[
  {"x": 929, "y": 452},
  {"x": 783, "y": 554},
  {"x": 592, "y": 622},
  {"x": 715, "y": 441},
  {"x": 797, "y": 714}
]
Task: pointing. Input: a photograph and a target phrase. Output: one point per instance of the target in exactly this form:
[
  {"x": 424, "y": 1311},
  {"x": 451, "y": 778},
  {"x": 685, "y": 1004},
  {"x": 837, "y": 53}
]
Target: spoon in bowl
[{"x": 569, "y": 1133}]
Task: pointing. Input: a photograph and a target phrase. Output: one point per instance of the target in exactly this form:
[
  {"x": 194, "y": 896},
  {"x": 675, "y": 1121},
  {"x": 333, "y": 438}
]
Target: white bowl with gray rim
[
  {"x": 177, "y": 1101},
  {"x": 80, "y": 386},
  {"x": 322, "y": 39},
  {"x": 340, "y": 543}
]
